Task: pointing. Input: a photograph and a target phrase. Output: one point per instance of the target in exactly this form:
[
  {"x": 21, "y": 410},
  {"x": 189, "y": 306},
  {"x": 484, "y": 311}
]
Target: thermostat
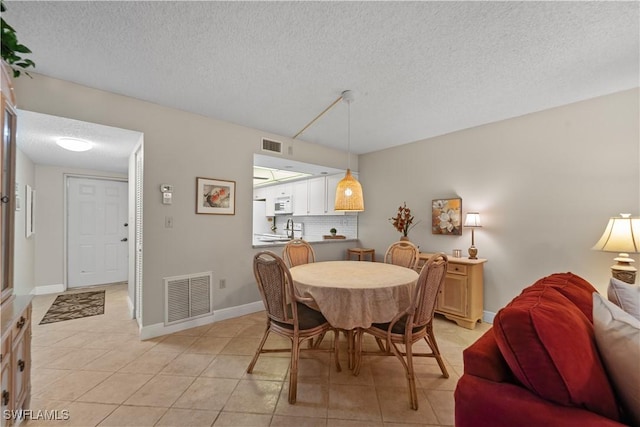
[{"x": 167, "y": 190}]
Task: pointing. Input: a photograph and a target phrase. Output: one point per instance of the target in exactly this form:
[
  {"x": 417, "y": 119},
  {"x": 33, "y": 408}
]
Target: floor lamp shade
[
  {"x": 349, "y": 194},
  {"x": 621, "y": 235}
]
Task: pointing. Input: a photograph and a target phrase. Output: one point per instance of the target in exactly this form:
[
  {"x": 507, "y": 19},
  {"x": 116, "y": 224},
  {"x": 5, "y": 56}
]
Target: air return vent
[
  {"x": 271, "y": 146},
  {"x": 187, "y": 297}
]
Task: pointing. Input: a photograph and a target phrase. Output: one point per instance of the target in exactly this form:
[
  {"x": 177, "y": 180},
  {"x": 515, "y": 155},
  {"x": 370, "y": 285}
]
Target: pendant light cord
[
  {"x": 349, "y": 135},
  {"x": 317, "y": 117}
]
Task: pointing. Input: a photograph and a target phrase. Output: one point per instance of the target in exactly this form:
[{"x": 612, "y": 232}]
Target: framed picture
[
  {"x": 30, "y": 204},
  {"x": 446, "y": 216},
  {"x": 215, "y": 196}
]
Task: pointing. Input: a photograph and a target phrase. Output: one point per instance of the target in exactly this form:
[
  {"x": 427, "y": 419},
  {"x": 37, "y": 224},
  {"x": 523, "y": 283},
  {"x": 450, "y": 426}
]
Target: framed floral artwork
[
  {"x": 446, "y": 216},
  {"x": 215, "y": 196}
]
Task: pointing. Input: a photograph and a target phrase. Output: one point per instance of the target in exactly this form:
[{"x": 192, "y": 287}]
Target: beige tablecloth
[{"x": 355, "y": 294}]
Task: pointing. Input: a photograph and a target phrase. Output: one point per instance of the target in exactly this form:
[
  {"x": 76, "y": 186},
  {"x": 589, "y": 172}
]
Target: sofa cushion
[
  {"x": 483, "y": 359},
  {"x": 618, "y": 338},
  {"x": 625, "y": 295},
  {"x": 573, "y": 287},
  {"x": 550, "y": 347}
]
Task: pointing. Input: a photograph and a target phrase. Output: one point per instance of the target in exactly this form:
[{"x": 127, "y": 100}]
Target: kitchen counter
[{"x": 311, "y": 239}]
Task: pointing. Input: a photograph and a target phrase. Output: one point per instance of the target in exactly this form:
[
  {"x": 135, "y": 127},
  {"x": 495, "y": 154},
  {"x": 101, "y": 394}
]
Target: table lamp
[
  {"x": 622, "y": 235},
  {"x": 472, "y": 220}
]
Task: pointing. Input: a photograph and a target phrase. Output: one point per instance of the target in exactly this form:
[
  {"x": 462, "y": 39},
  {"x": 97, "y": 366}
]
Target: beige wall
[
  {"x": 24, "y": 250},
  {"x": 50, "y": 221},
  {"x": 178, "y": 147},
  {"x": 545, "y": 185}
]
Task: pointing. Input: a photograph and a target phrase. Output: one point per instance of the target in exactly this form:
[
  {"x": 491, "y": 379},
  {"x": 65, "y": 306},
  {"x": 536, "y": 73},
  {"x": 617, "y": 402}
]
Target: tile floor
[{"x": 98, "y": 370}]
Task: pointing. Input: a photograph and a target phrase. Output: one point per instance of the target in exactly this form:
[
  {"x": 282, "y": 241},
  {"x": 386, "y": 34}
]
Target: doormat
[{"x": 75, "y": 306}]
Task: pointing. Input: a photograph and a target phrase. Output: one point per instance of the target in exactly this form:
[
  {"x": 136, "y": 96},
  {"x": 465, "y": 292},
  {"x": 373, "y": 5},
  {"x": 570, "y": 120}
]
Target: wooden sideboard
[
  {"x": 460, "y": 298},
  {"x": 15, "y": 357}
]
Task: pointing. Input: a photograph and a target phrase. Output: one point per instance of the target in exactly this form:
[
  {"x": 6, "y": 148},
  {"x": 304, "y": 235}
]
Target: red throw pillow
[
  {"x": 550, "y": 347},
  {"x": 574, "y": 288}
]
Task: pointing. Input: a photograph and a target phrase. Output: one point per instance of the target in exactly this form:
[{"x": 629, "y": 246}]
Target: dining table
[{"x": 355, "y": 294}]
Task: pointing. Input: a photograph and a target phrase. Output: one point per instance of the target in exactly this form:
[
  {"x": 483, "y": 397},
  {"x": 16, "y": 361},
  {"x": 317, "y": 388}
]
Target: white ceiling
[
  {"x": 37, "y": 134},
  {"x": 418, "y": 69}
]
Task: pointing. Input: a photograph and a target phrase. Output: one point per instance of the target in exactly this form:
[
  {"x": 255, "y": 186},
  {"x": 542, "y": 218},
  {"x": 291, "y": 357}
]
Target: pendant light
[{"x": 349, "y": 191}]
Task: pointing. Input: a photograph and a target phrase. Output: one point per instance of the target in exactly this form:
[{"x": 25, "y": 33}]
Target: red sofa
[{"x": 538, "y": 365}]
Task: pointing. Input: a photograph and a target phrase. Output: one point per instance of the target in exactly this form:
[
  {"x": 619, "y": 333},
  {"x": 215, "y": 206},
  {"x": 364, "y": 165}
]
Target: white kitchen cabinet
[
  {"x": 282, "y": 190},
  {"x": 316, "y": 196},
  {"x": 300, "y": 203},
  {"x": 260, "y": 193},
  {"x": 270, "y": 200}
]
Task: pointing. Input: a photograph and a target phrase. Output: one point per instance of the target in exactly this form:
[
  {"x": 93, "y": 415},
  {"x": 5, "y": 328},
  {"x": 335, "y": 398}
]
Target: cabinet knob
[
  {"x": 5, "y": 397},
  {"x": 21, "y": 365},
  {"x": 21, "y": 322}
]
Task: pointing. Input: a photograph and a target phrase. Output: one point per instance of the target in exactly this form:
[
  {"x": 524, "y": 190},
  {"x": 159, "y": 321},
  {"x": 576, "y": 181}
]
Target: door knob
[{"x": 124, "y": 240}]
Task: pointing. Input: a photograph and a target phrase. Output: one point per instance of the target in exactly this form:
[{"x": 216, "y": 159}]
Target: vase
[{"x": 404, "y": 238}]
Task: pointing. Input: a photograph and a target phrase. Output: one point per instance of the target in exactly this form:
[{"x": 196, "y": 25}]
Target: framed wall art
[
  {"x": 30, "y": 204},
  {"x": 215, "y": 196},
  {"x": 446, "y": 216}
]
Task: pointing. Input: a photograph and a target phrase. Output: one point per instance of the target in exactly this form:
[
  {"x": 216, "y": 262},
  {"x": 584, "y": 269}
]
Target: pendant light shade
[{"x": 349, "y": 196}]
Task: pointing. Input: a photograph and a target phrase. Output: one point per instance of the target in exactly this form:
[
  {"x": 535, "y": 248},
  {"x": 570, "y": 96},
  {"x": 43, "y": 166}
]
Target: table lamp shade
[
  {"x": 472, "y": 220},
  {"x": 621, "y": 235}
]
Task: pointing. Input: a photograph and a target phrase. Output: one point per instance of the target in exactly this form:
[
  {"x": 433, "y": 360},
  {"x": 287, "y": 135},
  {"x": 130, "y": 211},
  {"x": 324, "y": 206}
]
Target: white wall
[
  {"x": 545, "y": 185},
  {"x": 24, "y": 250},
  {"x": 178, "y": 147},
  {"x": 49, "y": 214}
]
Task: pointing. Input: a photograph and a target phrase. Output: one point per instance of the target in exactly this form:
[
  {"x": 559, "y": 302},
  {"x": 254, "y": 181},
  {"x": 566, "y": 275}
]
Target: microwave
[{"x": 283, "y": 206}]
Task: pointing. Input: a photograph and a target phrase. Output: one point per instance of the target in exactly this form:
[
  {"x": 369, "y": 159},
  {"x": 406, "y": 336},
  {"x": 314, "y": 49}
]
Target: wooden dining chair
[
  {"x": 403, "y": 253},
  {"x": 287, "y": 315},
  {"x": 411, "y": 325},
  {"x": 298, "y": 251}
]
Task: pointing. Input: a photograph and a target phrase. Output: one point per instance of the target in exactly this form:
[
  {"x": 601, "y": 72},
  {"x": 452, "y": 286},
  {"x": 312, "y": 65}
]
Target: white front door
[{"x": 97, "y": 232}]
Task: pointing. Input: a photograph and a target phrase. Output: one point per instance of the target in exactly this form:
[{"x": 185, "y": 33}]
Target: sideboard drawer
[
  {"x": 21, "y": 322},
  {"x": 456, "y": 268}
]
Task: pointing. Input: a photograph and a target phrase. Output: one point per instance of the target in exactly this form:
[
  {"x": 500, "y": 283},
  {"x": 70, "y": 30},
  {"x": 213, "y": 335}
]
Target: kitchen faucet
[{"x": 290, "y": 228}]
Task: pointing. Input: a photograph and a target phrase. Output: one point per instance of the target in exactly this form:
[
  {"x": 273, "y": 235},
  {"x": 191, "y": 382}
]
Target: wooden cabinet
[
  {"x": 15, "y": 312},
  {"x": 16, "y": 356},
  {"x": 7, "y": 182},
  {"x": 461, "y": 296}
]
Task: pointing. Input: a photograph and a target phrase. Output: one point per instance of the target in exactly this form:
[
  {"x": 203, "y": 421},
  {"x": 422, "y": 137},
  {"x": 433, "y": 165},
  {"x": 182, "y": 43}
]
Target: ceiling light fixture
[
  {"x": 349, "y": 191},
  {"x": 74, "y": 144}
]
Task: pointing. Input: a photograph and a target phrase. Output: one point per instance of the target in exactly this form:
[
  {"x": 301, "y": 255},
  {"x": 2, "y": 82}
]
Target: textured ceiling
[
  {"x": 418, "y": 69},
  {"x": 37, "y": 134}
]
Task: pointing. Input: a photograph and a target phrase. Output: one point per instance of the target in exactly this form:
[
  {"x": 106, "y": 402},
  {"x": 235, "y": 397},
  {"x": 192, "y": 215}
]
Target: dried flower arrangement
[{"x": 403, "y": 221}]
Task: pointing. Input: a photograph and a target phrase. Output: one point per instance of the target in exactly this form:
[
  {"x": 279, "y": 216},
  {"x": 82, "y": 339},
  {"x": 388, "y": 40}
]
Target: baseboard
[
  {"x": 487, "y": 316},
  {"x": 159, "y": 329},
  {"x": 48, "y": 289},
  {"x": 237, "y": 311},
  {"x": 130, "y": 307}
]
